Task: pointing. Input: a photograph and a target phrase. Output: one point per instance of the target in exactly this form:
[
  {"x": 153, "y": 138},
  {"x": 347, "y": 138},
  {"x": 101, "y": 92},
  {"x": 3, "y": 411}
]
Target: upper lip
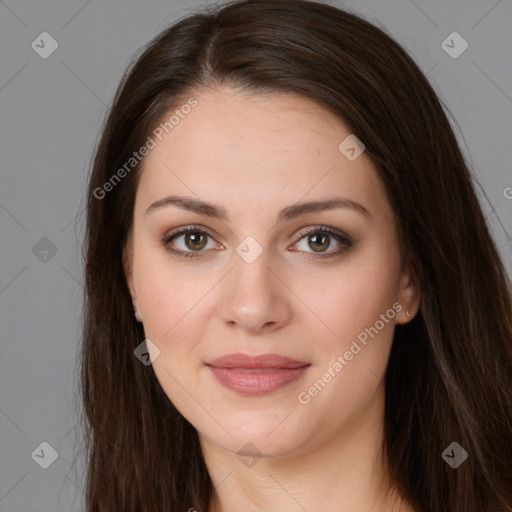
[{"x": 249, "y": 361}]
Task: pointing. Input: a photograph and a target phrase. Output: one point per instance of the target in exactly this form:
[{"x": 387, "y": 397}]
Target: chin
[{"x": 264, "y": 440}]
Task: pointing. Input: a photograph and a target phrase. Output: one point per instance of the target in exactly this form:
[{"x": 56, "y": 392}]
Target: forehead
[{"x": 265, "y": 150}]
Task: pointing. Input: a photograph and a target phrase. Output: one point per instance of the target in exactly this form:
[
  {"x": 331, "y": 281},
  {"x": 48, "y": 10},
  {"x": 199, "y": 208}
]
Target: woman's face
[{"x": 253, "y": 175}]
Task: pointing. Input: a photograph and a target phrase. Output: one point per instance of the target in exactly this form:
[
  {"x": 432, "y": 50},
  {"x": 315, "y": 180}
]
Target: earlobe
[
  {"x": 128, "y": 272},
  {"x": 127, "y": 268},
  {"x": 408, "y": 296},
  {"x": 136, "y": 312}
]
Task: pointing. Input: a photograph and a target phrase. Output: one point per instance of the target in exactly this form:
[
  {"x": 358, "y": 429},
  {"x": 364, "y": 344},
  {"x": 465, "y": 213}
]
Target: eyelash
[{"x": 326, "y": 230}]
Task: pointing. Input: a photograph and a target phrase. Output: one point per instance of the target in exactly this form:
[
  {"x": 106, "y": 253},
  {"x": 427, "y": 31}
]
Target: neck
[{"x": 344, "y": 472}]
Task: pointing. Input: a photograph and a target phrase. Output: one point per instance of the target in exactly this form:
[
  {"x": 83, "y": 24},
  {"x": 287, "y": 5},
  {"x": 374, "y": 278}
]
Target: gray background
[{"x": 51, "y": 111}]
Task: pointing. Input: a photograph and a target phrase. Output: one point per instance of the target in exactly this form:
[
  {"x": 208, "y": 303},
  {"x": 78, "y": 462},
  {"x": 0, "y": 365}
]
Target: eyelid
[
  {"x": 324, "y": 229},
  {"x": 301, "y": 233},
  {"x": 183, "y": 230},
  {"x": 340, "y": 236}
]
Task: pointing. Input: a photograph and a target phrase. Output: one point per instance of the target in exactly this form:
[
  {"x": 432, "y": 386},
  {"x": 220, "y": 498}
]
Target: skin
[{"x": 254, "y": 155}]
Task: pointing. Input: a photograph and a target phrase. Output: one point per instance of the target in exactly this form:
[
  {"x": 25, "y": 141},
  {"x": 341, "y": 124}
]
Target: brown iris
[
  {"x": 197, "y": 240},
  {"x": 324, "y": 243}
]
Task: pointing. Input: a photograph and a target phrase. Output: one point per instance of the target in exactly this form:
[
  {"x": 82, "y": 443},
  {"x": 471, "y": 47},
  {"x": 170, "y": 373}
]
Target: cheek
[
  {"x": 177, "y": 306},
  {"x": 352, "y": 366},
  {"x": 353, "y": 355},
  {"x": 165, "y": 294},
  {"x": 352, "y": 298},
  {"x": 171, "y": 306}
]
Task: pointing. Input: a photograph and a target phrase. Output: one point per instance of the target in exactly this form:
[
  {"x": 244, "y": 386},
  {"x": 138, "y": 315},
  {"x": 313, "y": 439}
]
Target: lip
[
  {"x": 256, "y": 375},
  {"x": 260, "y": 361}
]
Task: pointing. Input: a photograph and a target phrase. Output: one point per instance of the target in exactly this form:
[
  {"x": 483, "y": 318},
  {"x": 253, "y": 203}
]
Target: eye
[
  {"x": 191, "y": 242},
  {"x": 187, "y": 241},
  {"x": 321, "y": 238}
]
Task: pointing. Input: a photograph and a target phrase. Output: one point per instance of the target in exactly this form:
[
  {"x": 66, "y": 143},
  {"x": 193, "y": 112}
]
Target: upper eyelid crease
[
  {"x": 338, "y": 235},
  {"x": 319, "y": 228},
  {"x": 288, "y": 213}
]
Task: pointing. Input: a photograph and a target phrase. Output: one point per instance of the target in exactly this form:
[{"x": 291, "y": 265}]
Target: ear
[
  {"x": 409, "y": 295},
  {"x": 127, "y": 257}
]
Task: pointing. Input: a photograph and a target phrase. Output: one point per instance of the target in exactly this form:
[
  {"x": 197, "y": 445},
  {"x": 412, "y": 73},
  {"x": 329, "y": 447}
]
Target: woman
[{"x": 293, "y": 301}]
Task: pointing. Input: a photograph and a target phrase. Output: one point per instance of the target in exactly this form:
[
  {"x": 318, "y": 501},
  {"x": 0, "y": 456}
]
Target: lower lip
[{"x": 256, "y": 382}]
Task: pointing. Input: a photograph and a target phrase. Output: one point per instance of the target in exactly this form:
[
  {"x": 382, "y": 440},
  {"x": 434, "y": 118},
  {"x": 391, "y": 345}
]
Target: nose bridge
[
  {"x": 252, "y": 270},
  {"x": 254, "y": 296}
]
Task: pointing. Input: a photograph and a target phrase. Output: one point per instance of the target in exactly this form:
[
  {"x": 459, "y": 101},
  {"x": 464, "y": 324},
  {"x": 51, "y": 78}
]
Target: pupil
[
  {"x": 323, "y": 244},
  {"x": 320, "y": 242},
  {"x": 196, "y": 240}
]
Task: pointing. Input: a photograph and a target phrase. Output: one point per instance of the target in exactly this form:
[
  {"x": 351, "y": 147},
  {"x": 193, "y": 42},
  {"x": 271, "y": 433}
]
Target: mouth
[{"x": 256, "y": 375}]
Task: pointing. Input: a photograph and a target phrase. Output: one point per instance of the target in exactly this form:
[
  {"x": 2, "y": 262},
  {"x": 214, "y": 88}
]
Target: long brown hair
[{"x": 449, "y": 377}]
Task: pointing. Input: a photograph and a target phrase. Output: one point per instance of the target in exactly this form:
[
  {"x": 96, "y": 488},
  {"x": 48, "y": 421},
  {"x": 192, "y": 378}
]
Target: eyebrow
[{"x": 288, "y": 213}]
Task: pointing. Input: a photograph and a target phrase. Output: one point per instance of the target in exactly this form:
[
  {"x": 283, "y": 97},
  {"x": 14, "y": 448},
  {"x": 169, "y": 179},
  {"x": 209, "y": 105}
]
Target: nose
[{"x": 255, "y": 297}]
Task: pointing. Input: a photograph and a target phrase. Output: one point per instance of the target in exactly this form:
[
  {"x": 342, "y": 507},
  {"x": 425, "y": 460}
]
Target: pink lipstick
[{"x": 256, "y": 375}]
